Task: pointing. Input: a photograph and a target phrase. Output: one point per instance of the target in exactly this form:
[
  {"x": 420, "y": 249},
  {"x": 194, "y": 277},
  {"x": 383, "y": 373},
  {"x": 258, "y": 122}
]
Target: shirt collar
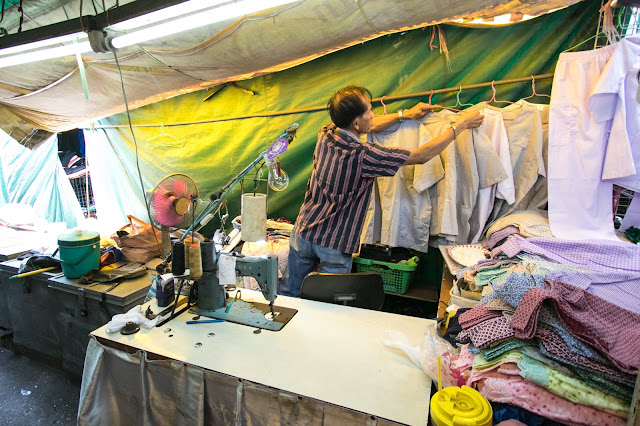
[{"x": 349, "y": 133}]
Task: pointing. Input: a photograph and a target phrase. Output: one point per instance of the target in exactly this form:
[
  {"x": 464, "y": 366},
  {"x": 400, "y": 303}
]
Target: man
[{"x": 330, "y": 221}]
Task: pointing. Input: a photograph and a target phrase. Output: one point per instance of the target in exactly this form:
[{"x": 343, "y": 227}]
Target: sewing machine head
[{"x": 212, "y": 297}]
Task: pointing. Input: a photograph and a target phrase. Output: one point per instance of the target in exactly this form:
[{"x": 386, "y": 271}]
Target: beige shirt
[
  {"x": 399, "y": 212},
  {"x": 470, "y": 163}
]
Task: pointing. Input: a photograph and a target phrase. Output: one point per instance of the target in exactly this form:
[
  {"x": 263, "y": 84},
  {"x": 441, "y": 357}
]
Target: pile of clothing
[{"x": 557, "y": 329}]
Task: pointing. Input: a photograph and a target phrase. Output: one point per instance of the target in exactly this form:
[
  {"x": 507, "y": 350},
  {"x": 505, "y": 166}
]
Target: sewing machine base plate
[{"x": 251, "y": 314}]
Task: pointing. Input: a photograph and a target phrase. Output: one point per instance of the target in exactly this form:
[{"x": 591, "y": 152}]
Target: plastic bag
[
  {"x": 139, "y": 241},
  {"x": 454, "y": 361}
]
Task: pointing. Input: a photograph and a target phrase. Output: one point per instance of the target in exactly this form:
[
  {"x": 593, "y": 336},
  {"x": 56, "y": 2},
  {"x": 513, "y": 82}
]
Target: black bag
[{"x": 384, "y": 253}]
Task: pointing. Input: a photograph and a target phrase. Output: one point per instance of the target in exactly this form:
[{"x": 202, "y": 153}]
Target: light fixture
[
  {"x": 161, "y": 23},
  {"x": 29, "y": 55},
  {"x": 195, "y": 20}
]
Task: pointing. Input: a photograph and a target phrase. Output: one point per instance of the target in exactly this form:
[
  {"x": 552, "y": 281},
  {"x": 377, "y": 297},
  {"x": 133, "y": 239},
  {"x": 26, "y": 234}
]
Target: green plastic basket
[{"x": 395, "y": 277}]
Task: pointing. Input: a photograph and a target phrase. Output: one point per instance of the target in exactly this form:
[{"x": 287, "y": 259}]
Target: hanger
[
  {"x": 227, "y": 84},
  {"x": 165, "y": 139},
  {"x": 533, "y": 86},
  {"x": 458, "y": 103},
  {"x": 383, "y": 104},
  {"x": 493, "y": 98}
]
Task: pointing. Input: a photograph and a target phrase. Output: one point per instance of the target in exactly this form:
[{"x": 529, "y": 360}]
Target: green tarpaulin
[{"x": 403, "y": 63}]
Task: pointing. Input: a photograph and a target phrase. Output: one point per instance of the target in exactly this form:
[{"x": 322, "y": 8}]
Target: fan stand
[{"x": 166, "y": 241}]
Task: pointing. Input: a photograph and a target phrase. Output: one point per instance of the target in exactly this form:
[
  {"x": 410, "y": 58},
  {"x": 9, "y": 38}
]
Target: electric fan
[{"x": 172, "y": 206}]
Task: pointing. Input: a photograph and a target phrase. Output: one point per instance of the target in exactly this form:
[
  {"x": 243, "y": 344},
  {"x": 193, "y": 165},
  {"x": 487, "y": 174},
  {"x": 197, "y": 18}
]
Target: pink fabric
[
  {"x": 612, "y": 330},
  {"x": 514, "y": 390},
  {"x": 476, "y": 315},
  {"x": 489, "y": 331}
]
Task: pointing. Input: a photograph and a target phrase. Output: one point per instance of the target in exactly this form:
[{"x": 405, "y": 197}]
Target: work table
[{"x": 328, "y": 352}]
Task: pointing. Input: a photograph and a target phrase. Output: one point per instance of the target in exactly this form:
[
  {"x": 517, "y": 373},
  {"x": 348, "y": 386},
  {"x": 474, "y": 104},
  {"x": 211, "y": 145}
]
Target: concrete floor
[{"x": 34, "y": 393}]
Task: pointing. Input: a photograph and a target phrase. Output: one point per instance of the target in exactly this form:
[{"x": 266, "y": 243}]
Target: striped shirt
[{"x": 339, "y": 189}]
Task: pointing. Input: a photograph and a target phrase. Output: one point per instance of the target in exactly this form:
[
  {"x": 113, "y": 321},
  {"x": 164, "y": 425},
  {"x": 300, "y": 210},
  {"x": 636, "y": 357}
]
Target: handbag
[{"x": 139, "y": 241}]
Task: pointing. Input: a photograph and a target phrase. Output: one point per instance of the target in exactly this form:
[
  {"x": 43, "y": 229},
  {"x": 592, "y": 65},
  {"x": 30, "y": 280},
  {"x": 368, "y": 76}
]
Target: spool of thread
[
  {"x": 207, "y": 250},
  {"x": 254, "y": 217},
  {"x": 187, "y": 243},
  {"x": 195, "y": 260},
  {"x": 177, "y": 258}
]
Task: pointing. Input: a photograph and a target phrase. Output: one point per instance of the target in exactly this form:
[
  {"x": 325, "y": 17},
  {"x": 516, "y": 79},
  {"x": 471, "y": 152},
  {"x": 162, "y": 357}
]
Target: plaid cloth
[
  {"x": 593, "y": 320},
  {"x": 608, "y": 269},
  {"x": 531, "y": 223}
]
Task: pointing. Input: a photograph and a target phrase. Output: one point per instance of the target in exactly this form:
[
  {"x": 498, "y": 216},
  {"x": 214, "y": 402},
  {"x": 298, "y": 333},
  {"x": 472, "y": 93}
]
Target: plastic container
[
  {"x": 79, "y": 252},
  {"x": 463, "y": 302},
  {"x": 460, "y": 406},
  {"x": 396, "y": 278}
]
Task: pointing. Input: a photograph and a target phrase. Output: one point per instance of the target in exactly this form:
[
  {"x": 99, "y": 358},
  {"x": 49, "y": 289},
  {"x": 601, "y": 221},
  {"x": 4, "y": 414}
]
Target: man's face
[{"x": 364, "y": 122}]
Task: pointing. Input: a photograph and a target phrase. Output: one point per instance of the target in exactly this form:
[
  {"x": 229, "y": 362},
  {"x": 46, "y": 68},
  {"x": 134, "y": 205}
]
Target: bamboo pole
[{"x": 323, "y": 108}]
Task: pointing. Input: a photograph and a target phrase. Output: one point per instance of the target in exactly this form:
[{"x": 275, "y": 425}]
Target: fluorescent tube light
[
  {"x": 217, "y": 14},
  {"x": 170, "y": 12},
  {"x": 42, "y": 54},
  {"x": 43, "y": 43}
]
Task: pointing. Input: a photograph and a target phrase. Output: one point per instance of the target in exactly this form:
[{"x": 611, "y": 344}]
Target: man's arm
[
  {"x": 381, "y": 122},
  {"x": 426, "y": 152}
]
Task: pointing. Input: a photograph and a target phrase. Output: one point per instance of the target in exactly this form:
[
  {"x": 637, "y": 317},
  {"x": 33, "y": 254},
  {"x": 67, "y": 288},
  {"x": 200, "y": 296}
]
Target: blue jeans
[{"x": 303, "y": 256}]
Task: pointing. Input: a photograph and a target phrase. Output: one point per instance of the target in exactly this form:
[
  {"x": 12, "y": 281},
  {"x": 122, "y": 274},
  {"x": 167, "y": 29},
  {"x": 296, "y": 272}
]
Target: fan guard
[{"x": 170, "y": 203}]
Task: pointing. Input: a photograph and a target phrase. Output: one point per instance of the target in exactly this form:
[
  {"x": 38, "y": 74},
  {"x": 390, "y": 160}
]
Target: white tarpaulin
[{"x": 49, "y": 94}]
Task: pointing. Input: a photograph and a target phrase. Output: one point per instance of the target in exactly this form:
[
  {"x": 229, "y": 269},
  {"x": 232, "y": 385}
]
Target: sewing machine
[
  {"x": 213, "y": 302},
  {"x": 211, "y": 296}
]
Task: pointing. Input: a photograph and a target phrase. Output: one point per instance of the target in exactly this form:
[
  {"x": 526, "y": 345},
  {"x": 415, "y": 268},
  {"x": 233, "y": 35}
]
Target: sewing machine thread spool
[
  {"x": 254, "y": 217},
  {"x": 177, "y": 258},
  {"x": 195, "y": 260},
  {"x": 187, "y": 243},
  {"x": 207, "y": 250}
]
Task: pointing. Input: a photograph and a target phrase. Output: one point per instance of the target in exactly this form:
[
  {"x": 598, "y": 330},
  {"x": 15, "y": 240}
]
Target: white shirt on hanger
[
  {"x": 614, "y": 99},
  {"x": 493, "y": 127},
  {"x": 580, "y": 203},
  {"x": 470, "y": 163},
  {"x": 399, "y": 213}
]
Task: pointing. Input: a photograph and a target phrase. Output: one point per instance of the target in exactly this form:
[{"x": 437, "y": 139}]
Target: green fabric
[
  {"x": 633, "y": 234},
  {"x": 396, "y": 64},
  {"x": 567, "y": 386},
  {"x": 557, "y": 382}
]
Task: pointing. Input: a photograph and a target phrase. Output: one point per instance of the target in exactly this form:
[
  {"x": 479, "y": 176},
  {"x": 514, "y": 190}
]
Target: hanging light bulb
[{"x": 278, "y": 179}]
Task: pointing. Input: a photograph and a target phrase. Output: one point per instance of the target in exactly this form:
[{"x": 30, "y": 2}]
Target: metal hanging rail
[{"x": 323, "y": 108}]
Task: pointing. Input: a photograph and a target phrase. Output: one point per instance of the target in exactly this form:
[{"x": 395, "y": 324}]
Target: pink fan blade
[{"x": 163, "y": 208}]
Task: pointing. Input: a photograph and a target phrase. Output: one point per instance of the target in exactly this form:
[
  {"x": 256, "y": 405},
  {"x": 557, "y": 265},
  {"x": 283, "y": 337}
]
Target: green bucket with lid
[{"x": 79, "y": 252}]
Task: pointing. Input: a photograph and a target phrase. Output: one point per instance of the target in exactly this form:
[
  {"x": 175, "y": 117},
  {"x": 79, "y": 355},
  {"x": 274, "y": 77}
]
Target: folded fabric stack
[{"x": 557, "y": 330}]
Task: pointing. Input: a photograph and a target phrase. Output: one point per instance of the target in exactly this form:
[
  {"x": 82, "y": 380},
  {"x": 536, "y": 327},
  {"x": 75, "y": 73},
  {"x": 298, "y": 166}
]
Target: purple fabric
[
  {"x": 476, "y": 316},
  {"x": 496, "y": 237},
  {"x": 615, "y": 265},
  {"x": 553, "y": 345},
  {"x": 489, "y": 331},
  {"x": 595, "y": 321}
]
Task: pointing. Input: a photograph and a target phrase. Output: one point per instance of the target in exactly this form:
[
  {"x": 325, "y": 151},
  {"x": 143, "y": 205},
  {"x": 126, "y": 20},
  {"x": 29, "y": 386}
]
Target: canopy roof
[{"x": 48, "y": 96}]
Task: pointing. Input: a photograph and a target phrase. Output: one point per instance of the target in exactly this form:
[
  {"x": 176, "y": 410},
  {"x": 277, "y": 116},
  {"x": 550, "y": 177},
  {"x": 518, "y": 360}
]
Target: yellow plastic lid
[{"x": 455, "y": 406}]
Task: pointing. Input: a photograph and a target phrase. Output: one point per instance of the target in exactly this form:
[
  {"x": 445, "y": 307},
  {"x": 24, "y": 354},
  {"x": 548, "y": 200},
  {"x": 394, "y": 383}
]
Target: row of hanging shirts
[{"x": 484, "y": 174}]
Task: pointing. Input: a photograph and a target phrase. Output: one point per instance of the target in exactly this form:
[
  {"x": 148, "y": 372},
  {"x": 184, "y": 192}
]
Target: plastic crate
[{"x": 395, "y": 277}]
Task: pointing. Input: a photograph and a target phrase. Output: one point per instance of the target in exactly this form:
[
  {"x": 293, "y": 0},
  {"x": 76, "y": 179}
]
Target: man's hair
[{"x": 347, "y": 104}]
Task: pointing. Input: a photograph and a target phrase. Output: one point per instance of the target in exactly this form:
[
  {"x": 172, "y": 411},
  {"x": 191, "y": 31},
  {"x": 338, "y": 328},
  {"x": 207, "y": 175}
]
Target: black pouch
[{"x": 384, "y": 253}]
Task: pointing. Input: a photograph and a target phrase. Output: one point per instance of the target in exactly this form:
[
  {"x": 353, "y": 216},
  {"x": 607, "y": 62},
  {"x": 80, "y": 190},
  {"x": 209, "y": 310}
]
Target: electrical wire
[
  {"x": 135, "y": 142},
  {"x": 169, "y": 66}
]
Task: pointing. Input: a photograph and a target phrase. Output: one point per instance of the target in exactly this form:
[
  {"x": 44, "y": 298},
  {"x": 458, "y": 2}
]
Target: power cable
[{"x": 135, "y": 142}]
